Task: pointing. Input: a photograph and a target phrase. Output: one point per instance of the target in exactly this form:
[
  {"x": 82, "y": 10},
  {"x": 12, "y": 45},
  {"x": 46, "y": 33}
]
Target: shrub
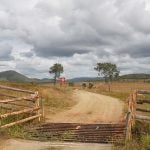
[
  {"x": 84, "y": 85},
  {"x": 71, "y": 84},
  {"x": 90, "y": 85}
]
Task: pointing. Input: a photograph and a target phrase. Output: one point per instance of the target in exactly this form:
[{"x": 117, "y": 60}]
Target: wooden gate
[
  {"x": 18, "y": 106},
  {"x": 132, "y": 116}
]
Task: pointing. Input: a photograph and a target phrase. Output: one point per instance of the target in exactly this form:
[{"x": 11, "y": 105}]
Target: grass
[{"x": 55, "y": 98}]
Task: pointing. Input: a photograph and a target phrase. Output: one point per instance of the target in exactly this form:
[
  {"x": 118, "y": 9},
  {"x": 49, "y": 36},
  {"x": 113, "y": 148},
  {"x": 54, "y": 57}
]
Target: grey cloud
[
  {"x": 106, "y": 30},
  {"x": 58, "y": 51},
  {"x": 5, "y": 52},
  {"x": 26, "y": 54}
]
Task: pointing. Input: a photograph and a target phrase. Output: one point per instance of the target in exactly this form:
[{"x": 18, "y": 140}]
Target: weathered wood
[
  {"x": 7, "y": 108},
  {"x": 42, "y": 107},
  {"x": 143, "y": 101},
  {"x": 143, "y": 92},
  {"x": 18, "y": 99},
  {"x": 10, "y": 96},
  {"x": 20, "y": 121},
  {"x": 128, "y": 126},
  {"x": 16, "y": 104},
  {"x": 33, "y": 97},
  {"x": 142, "y": 110},
  {"x": 16, "y": 89},
  {"x": 144, "y": 118},
  {"x": 37, "y": 104},
  {"x": 19, "y": 112}
]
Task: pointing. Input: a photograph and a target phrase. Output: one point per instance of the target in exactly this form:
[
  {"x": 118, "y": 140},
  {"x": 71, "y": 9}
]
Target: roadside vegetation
[
  {"x": 55, "y": 99},
  {"x": 58, "y": 98}
]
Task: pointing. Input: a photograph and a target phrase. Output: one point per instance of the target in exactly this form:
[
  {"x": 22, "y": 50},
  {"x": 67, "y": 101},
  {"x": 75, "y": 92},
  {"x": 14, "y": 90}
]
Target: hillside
[
  {"x": 135, "y": 76},
  {"x": 85, "y": 79},
  {"x": 13, "y": 76}
]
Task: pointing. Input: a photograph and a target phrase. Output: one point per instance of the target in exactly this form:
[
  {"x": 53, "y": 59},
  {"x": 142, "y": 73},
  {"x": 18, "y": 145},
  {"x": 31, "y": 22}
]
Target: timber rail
[
  {"x": 28, "y": 104},
  {"x": 132, "y": 115}
]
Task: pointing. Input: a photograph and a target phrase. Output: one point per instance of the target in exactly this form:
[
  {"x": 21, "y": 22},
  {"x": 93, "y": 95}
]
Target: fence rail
[
  {"x": 132, "y": 111},
  {"x": 30, "y": 104}
]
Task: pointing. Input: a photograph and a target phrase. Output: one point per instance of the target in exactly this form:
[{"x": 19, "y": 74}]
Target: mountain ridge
[{"x": 13, "y": 76}]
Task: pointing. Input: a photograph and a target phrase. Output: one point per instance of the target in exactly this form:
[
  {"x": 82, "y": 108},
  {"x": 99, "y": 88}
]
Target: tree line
[{"x": 108, "y": 71}]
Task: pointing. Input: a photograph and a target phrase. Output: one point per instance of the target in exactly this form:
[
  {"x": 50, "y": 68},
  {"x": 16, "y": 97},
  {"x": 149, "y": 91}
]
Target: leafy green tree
[
  {"x": 56, "y": 69},
  {"x": 108, "y": 70}
]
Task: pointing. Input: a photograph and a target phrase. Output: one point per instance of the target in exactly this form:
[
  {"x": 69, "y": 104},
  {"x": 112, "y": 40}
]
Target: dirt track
[
  {"x": 14, "y": 144},
  {"x": 91, "y": 108}
]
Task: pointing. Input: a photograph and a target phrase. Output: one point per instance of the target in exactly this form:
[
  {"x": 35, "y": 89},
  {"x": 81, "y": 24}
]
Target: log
[
  {"x": 128, "y": 126},
  {"x": 18, "y": 99},
  {"x": 142, "y": 110},
  {"x": 7, "y": 108},
  {"x": 10, "y": 103},
  {"x": 19, "y": 122},
  {"x": 143, "y": 92},
  {"x": 5, "y": 95},
  {"x": 12, "y": 96},
  {"x": 143, "y": 101},
  {"x": 16, "y": 89},
  {"x": 144, "y": 118},
  {"x": 19, "y": 112}
]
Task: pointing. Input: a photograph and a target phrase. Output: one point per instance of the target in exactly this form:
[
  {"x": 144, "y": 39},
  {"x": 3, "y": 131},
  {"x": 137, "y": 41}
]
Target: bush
[
  {"x": 84, "y": 85},
  {"x": 90, "y": 85},
  {"x": 71, "y": 84}
]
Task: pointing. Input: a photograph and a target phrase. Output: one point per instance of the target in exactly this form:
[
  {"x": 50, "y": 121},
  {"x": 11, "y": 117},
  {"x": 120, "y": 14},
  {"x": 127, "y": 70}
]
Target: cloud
[
  {"x": 5, "y": 52},
  {"x": 77, "y": 33}
]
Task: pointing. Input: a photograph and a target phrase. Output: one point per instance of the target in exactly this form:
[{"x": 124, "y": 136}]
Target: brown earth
[
  {"x": 13, "y": 144},
  {"x": 91, "y": 108}
]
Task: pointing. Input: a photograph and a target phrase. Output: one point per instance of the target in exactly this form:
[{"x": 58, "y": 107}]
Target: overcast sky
[{"x": 35, "y": 34}]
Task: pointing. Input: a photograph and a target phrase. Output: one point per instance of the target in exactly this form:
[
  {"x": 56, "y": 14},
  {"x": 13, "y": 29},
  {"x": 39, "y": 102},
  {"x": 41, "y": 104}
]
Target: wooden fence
[
  {"x": 28, "y": 103},
  {"x": 132, "y": 115},
  {"x": 143, "y": 110}
]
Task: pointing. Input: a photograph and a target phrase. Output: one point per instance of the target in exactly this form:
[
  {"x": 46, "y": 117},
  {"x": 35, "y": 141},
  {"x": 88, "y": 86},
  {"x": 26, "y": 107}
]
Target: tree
[
  {"x": 108, "y": 70},
  {"x": 56, "y": 69}
]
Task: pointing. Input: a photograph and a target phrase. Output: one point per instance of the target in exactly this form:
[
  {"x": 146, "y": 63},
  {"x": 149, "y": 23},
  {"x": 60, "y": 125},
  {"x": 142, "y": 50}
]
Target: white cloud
[{"x": 34, "y": 34}]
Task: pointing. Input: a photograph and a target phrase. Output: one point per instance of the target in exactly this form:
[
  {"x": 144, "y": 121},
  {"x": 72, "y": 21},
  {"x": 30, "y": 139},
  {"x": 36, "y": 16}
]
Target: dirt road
[
  {"x": 13, "y": 144},
  {"x": 91, "y": 108}
]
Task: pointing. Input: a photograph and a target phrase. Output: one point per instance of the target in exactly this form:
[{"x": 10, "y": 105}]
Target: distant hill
[
  {"x": 13, "y": 76},
  {"x": 135, "y": 76},
  {"x": 85, "y": 79}
]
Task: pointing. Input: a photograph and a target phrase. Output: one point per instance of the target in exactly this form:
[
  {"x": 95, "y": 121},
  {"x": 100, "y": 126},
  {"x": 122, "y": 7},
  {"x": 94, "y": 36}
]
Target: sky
[{"x": 35, "y": 34}]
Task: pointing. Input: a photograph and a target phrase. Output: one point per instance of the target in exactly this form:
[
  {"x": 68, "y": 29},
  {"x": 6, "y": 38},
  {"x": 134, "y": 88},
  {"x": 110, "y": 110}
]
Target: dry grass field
[
  {"x": 55, "y": 98},
  {"x": 58, "y": 99}
]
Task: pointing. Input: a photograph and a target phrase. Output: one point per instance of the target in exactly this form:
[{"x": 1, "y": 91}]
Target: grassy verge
[{"x": 55, "y": 98}]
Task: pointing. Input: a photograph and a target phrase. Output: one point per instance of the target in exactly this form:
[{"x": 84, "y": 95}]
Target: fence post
[
  {"x": 134, "y": 97},
  {"x": 128, "y": 126},
  {"x": 37, "y": 104},
  {"x": 42, "y": 107}
]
